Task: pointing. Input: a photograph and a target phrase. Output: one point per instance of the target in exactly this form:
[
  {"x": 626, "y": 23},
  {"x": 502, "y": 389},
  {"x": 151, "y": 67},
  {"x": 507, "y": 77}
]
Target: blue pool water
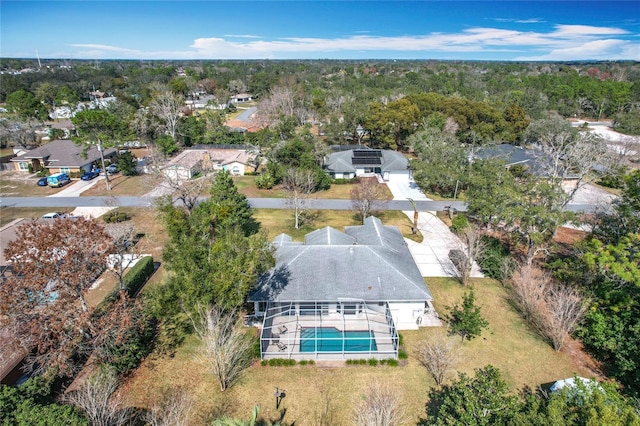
[{"x": 332, "y": 340}]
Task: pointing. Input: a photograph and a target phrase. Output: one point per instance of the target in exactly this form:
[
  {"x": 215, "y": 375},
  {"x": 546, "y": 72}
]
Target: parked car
[
  {"x": 112, "y": 169},
  {"x": 42, "y": 181},
  {"x": 52, "y": 215},
  {"x": 58, "y": 180},
  {"x": 89, "y": 175}
]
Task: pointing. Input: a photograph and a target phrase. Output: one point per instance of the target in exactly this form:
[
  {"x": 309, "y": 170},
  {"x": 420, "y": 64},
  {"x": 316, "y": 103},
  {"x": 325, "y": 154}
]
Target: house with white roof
[{"x": 341, "y": 295}]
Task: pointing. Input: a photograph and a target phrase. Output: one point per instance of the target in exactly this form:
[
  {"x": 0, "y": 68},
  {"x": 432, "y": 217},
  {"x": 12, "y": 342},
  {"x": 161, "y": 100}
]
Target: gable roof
[
  {"x": 533, "y": 159},
  {"x": 369, "y": 262},
  {"x": 387, "y": 161},
  {"x": 64, "y": 153}
]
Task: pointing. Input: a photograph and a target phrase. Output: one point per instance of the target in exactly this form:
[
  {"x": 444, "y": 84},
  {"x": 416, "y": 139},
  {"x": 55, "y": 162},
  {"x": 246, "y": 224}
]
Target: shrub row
[
  {"x": 283, "y": 362},
  {"x": 344, "y": 181},
  {"x": 373, "y": 362},
  {"x": 115, "y": 216}
]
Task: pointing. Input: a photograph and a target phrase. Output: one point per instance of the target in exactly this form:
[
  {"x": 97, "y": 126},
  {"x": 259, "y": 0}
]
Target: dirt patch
[
  {"x": 569, "y": 236},
  {"x": 575, "y": 350}
]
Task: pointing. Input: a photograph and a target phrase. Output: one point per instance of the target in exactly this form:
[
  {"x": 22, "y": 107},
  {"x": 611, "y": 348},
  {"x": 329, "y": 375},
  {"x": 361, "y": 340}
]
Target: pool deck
[{"x": 284, "y": 338}]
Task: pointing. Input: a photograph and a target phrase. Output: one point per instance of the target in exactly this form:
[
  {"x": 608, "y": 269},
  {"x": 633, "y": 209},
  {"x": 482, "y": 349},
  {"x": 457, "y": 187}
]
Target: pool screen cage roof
[{"x": 329, "y": 330}]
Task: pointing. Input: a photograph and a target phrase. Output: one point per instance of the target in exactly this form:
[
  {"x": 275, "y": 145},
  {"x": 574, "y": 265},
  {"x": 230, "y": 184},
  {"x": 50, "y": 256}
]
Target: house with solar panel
[
  {"x": 361, "y": 162},
  {"x": 341, "y": 295}
]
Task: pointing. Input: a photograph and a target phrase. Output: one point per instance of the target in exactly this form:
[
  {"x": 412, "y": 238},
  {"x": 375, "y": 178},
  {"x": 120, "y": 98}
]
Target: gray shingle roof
[
  {"x": 64, "y": 153},
  {"x": 369, "y": 262},
  {"x": 390, "y": 161}
]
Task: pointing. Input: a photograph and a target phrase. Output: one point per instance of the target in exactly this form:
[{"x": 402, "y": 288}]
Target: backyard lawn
[{"x": 508, "y": 344}]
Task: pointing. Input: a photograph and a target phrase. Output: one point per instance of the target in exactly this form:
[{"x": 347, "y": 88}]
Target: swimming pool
[{"x": 329, "y": 339}]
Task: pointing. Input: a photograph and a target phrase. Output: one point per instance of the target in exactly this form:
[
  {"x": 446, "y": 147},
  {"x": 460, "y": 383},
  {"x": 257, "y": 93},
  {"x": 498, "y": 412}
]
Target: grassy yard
[
  {"x": 124, "y": 185},
  {"x": 508, "y": 344},
  {"x": 276, "y": 222},
  {"x": 8, "y": 213},
  {"x": 246, "y": 185},
  {"x": 13, "y": 184}
]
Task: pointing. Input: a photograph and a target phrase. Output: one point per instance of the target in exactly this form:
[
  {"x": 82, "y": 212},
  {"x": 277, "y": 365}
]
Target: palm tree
[{"x": 414, "y": 229}]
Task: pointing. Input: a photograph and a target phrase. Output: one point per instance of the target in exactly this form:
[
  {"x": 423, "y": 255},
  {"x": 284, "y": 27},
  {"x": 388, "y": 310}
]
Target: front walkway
[{"x": 432, "y": 254}]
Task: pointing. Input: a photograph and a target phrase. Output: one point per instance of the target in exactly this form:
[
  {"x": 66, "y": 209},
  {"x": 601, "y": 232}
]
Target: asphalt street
[{"x": 260, "y": 203}]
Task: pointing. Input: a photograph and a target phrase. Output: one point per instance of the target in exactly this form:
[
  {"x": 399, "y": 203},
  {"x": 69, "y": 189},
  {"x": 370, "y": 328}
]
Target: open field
[{"x": 508, "y": 344}]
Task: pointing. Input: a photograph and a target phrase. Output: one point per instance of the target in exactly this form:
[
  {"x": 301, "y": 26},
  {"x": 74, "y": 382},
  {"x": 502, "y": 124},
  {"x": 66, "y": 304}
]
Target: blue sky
[{"x": 475, "y": 30}]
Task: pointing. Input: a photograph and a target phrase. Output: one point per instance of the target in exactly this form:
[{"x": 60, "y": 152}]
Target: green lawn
[{"x": 246, "y": 185}]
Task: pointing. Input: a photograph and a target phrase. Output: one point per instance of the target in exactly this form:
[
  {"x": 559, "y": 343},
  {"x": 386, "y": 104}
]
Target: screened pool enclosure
[{"x": 345, "y": 329}]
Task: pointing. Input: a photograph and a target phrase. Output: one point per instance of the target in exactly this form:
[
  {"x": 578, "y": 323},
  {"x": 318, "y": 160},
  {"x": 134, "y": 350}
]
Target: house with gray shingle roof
[
  {"x": 358, "y": 162},
  {"x": 61, "y": 156},
  {"x": 359, "y": 286}
]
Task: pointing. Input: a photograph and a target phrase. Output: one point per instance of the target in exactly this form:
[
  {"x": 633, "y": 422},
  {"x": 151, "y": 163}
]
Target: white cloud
[
  {"x": 105, "y": 47},
  {"x": 241, "y": 36},
  {"x": 564, "y": 42},
  {"x": 610, "y": 49}
]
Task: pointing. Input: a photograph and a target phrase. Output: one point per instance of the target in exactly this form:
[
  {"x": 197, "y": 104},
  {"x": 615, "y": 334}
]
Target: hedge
[
  {"x": 138, "y": 275},
  {"x": 132, "y": 281}
]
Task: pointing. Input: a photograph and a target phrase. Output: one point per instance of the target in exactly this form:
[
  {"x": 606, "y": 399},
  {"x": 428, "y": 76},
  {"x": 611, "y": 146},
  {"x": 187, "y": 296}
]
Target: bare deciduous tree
[
  {"x": 565, "y": 310},
  {"x": 437, "y": 355},
  {"x": 366, "y": 197},
  {"x": 298, "y": 184},
  {"x": 283, "y": 101},
  {"x": 124, "y": 237},
  {"x": 379, "y": 406},
  {"x": 471, "y": 248},
  {"x": 528, "y": 287},
  {"x": 166, "y": 106},
  {"x": 186, "y": 192},
  {"x": 99, "y": 399},
  {"x": 553, "y": 309},
  {"x": 172, "y": 409},
  {"x": 227, "y": 348},
  {"x": 566, "y": 152}
]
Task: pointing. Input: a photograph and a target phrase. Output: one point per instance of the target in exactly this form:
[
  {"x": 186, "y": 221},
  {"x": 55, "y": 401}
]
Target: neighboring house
[
  {"x": 341, "y": 295},
  {"x": 185, "y": 165},
  {"x": 190, "y": 162},
  {"x": 241, "y": 97},
  {"x": 358, "y": 162},
  {"x": 235, "y": 161},
  {"x": 61, "y": 156},
  {"x": 532, "y": 160},
  {"x": 202, "y": 102}
]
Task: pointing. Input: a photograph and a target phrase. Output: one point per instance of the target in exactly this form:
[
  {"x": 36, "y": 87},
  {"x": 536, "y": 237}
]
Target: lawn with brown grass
[
  {"x": 276, "y": 222},
  {"x": 124, "y": 185},
  {"x": 246, "y": 185},
  {"x": 9, "y": 213},
  {"x": 13, "y": 184},
  {"x": 508, "y": 344}
]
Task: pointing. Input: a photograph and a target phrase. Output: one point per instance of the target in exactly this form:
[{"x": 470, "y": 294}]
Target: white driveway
[
  {"x": 76, "y": 188},
  {"x": 432, "y": 254}
]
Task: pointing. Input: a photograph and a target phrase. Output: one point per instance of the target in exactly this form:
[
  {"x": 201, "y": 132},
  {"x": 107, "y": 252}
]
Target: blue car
[
  {"x": 89, "y": 175},
  {"x": 42, "y": 181}
]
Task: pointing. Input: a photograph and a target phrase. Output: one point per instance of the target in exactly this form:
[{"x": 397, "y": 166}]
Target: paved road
[
  {"x": 260, "y": 203},
  {"x": 246, "y": 114}
]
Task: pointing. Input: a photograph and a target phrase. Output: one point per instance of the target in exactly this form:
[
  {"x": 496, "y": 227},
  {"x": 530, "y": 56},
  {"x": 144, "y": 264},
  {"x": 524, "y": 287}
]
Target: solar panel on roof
[
  {"x": 375, "y": 153},
  {"x": 367, "y": 160}
]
